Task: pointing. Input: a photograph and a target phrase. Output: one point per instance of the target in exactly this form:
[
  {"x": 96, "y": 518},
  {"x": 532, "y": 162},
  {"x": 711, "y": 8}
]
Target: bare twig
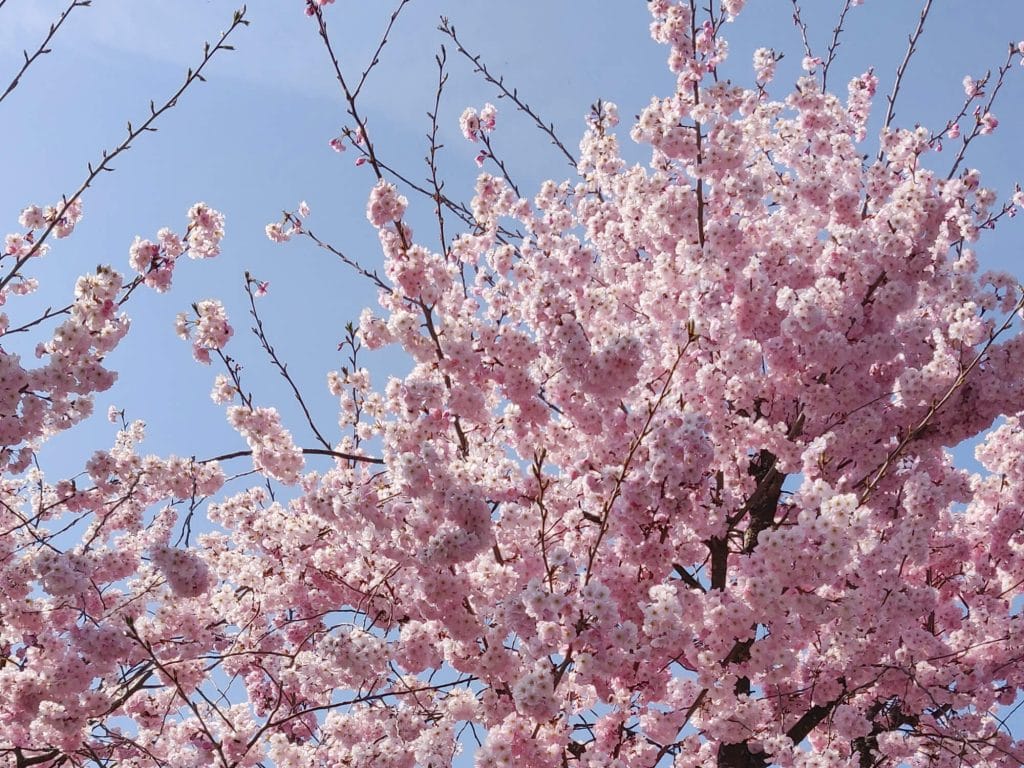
[
  {"x": 305, "y": 452},
  {"x": 351, "y": 94},
  {"x": 372, "y": 276},
  {"x": 43, "y": 46},
  {"x": 499, "y": 162},
  {"x": 282, "y": 368},
  {"x": 434, "y": 146},
  {"x": 513, "y": 95},
  {"x": 375, "y": 60},
  {"x": 234, "y": 370},
  {"x": 800, "y": 24},
  {"x": 833, "y": 45},
  {"x": 890, "y": 111},
  {"x": 50, "y": 312}
]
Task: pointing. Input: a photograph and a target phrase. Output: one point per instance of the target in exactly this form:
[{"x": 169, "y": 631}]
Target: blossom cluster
[
  {"x": 473, "y": 124},
  {"x": 208, "y": 331}
]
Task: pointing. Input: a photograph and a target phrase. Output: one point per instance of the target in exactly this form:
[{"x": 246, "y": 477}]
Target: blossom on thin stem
[
  {"x": 473, "y": 123},
  {"x": 208, "y": 331}
]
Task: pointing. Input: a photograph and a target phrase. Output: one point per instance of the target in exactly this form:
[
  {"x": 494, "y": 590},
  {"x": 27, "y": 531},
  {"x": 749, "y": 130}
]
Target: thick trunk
[{"x": 739, "y": 756}]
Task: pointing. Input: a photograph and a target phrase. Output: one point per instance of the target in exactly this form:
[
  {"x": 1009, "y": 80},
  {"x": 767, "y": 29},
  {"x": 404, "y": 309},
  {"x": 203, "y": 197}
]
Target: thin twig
[
  {"x": 513, "y": 95},
  {"x": 977, "y": 129},
  {"x": 49, "y": 313},
  {"x": 282, "y": 368},
  {"x": 363, "y": 141},
  {"x": 802, "y": 26},
  {"x": 431, "y": 158},
  {"x": 305, "y": 452},
  {"x": 833, "y": 46},
  {"x": 361, "y": 134},
  {"x": 890, "y": 111},
  {"x": 499, "y": 162},
  {"x": 350, "y": 94},
  {"x": 43, "y": 46},
  {"x": 234, "y": 370},
  {"x": 375, "y": 60},
  {"x": 372, "y": 276}
]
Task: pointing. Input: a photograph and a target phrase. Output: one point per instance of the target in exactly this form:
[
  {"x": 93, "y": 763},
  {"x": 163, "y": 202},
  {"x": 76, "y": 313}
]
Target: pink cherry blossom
[
  {"x": 488, "y": 117},
  {"x": 662, "y": 474},
  {"x": 469, "y": 124},
  {"x": 987, "y": 123},
  {"x": 208, "y": 331},
  {"x": 764, "y": 64}
]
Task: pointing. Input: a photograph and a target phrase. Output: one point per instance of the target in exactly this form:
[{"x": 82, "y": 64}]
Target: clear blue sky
[{"x": 253, "y": 140}]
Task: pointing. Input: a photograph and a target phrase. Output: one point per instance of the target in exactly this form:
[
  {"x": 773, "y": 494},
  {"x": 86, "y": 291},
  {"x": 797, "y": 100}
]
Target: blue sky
[{"x": 253, "y": 141}]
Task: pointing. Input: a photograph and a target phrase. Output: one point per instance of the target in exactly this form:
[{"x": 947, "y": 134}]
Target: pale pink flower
[
  {"x": 988, "y": 123},
  {"x": 385, "y": 204},
  {"x": 810, "y": 63},
  {"x": 276, "y": 233},
  {"x": 764, "y": 64},
  {"x": 488, "y": 117},
  {"x": 32, "y": 217},
  {"x": 469, "y": 124}
]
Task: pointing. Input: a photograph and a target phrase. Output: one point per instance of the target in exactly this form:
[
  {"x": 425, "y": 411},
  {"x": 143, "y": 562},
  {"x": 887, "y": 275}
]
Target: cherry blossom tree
[{"x": 668, "y": 480}]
